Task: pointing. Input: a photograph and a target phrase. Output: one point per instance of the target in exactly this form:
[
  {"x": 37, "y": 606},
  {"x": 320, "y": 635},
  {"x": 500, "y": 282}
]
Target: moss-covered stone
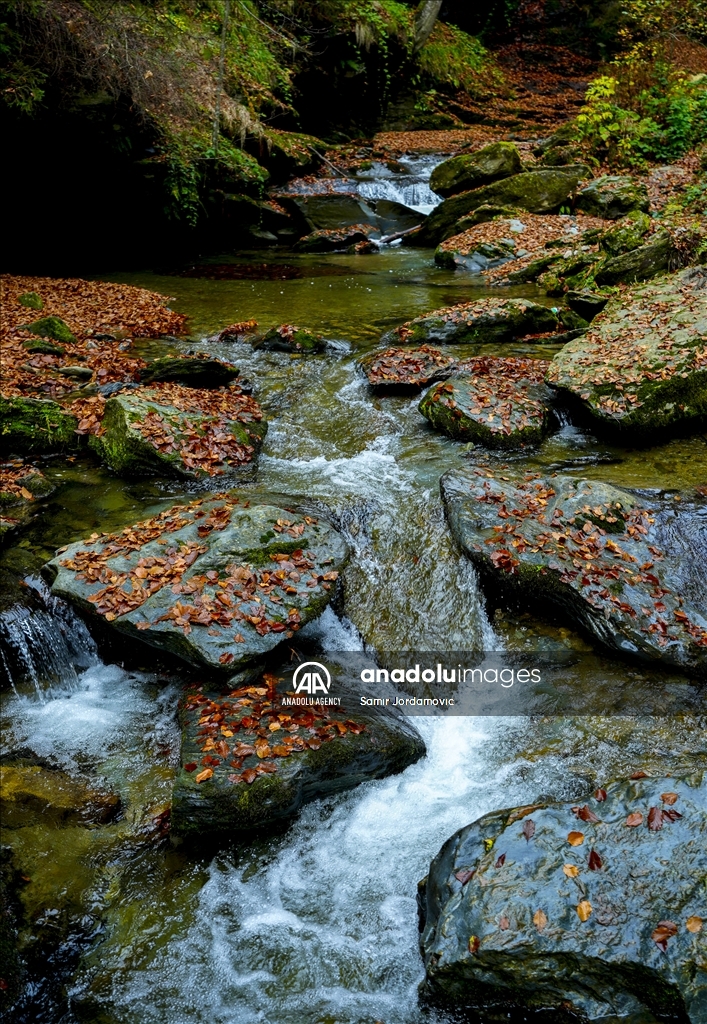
[
  {"x": 626, "y": 234},
  {"x": 192, "y": 372},
  {"x": 310, "y": 752},
  {"x": 44, "y": 348},
  {"x": 586, "y": 304},
  {"x": 646, "y": 261},
  {"x": 472, "y": 170},
  {"x": 52, "y": 327},
  {"x": 545, "y": 543},
  {"x": 334, "y": 239},
  {"x": 246, "y": 579},
  {"x": 642, "y": 366},
  {"x": 31, "y": 299},
  {"x": 30, "y": 795},
  {"x": 516, "y": 917},
  {"x": 494, "y": 402},
  {"x": 35, "y": 425},
  {"x": 612, "y": 196},
  {"x": 486, "y": 320},
  {"x": 543, "y": 191},
  {"x": 288, "y": 338},
  {"x": 402, "y": 370},
  {"x": 17, "y": 503}
]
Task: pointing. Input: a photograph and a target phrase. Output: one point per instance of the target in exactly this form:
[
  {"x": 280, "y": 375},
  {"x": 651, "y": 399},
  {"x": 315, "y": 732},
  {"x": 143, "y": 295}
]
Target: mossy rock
[
  {"x": 486, "y": 320},
  {"x": 127, "y": 451},
  {"x": 612, "y": 197},
  {"x": 329, "y": 751},
  {"x": 543, "y": 191},
  {"x": 287, "y": 338},
  {"x": 52, "y": 327},
  {"x": 515, "y": 917},
  {"x": 482, "y": 215},
  {"x": 192, "y": 372},
  {"x": 586, "y": 304},
  {"x": 571, "y": 570},
  {"x": 334, "y": 239},
  {"x": 472, "y": 170},
  {"x": 642, "y": 367},
  {"x": 30, "y": 795},
  {"x": 642, "y": 263},
  {"x": 31, "y": 300},
  {"x": 44, "y": 348},
  {"x": 627, "y": 234},
  {"x": 483, "y": 257},
  {"x": 231, "y": 608},
  {"x": 35, "y": 425}
]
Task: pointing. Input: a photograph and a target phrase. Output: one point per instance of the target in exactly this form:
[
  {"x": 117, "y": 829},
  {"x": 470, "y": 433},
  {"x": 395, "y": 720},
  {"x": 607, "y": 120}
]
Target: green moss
[
  {"x": 45, "y": 348},
  {"x": 31, "y": 299},
  {"x": 52, "y": 327},
  {"x": 35, "y": 425},
  {"x": 451, "y": 58}
]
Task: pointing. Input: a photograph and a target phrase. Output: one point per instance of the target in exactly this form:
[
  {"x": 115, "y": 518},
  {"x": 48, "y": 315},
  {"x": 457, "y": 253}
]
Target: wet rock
[
  {"x": 484, "y": 256},
  {"x": 30, "y": 795},
  {"x": 334, "y": 239},
  {"x": 542, "y": 191},
  {"x": 193, "y": 372},
  {"x": 288, "y": 338},
  {"x": 611, "y": 564},
  {"x": 52, "y": 327},
  {"x": 642, "y": 367},
  {"x": 647, "y": 261},
  {"x": 247, "y": 762},
  {"x": 405, "y": 370},
  {"x": 612, "y": 196},
  {"x": 175, "y": 431},
  {"x": 394, "y": 217},
  {"x": 12, "y": 971},
  {"x": 626, "y": 234},
  {"x": 495, "y": 402},
  {"x": 596, "y": 910},
  {"x": 215, "y": 583},
  {"x": 31, "y": 300},
  {"x": 19, "y": 490},
  {"x": 486, "y": 320},
  {"x": 472, "y": 170},
  {"x": 77, "y": 373},
  {"x": 35, "y": 425},
  {"x": 586, "y": 304},
  {"x": 332, "y": 211}
]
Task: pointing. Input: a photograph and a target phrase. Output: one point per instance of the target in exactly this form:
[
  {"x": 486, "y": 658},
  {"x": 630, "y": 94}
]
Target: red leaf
[
  {"x": 595, "y": 861},
  {"x": 655, "y": 819},
  {"x": 464, "y": 875},
  {"x": 528, "y": 829},
  {"x": 599, "y": 795},
  {"x": 501, "y": 861}
]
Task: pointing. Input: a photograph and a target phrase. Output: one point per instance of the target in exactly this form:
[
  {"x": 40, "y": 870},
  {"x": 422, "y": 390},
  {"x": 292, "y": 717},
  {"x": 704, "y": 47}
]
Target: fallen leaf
[
  {"x": 584, "y": 910},
  {"x": 665, "y": 930},
  {"x": 669, "y": 798},
  {"x": 599, "y": 795},
  {"x": 694, "y": 924},
  {"x": 575, "y": 838},
  {"x": 206, "y": 774},
  {"x": 540, "y": 919},
  {"x": 503, "y": 923},
  {"x": 585, "y": 814},
  {"x": 571, "y": 870},
  {"x": 655, "y": 819},
  {"x": 191, "y": 767},
  {"x": 474, "y": 943},
  {"x": 464, "y": 875},
  {"x": 634, "y": 819},
  {"x": 595, "y": 861},
  {"x": 639, "y": 775},
  {"x": 528, "y": 829},
  {"x": 501, "y": 861}
]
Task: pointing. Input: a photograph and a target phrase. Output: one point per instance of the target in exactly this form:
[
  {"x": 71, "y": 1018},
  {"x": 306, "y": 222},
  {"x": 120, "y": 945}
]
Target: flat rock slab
[
  {"x": 628, "y": 571},
  {"x": 173, "y": 430},
  {"x": 215, "y": 583},
  {"x": 496, "y": 402},
  {"x": 405, "y": 370},
  {"x": 248, "y": 762},
  {"x": 598, "y": 908},
  {"x": 642, "y": 366},
  {"x": 486, "y": 320},
  {"x": 193, "y": 371}
]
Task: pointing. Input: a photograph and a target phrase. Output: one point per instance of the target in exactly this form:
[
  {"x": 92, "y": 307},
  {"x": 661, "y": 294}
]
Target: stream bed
[{"x": 317, "y": 924}]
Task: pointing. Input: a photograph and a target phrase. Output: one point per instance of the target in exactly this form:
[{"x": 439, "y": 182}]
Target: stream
[{"x": 317, "y": 924}]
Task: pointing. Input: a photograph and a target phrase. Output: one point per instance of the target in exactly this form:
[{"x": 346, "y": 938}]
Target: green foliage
[{"x": 453, "y": 58}]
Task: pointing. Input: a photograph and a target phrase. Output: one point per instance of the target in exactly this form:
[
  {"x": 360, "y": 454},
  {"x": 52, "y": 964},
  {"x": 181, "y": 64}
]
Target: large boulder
[
  {"x": 495, "y": 402},
  {"x": 642, "y": 366},
  {"x": 542, "y": 191},
  {"x": 192, "y": 371},
  {"x": 35, "y": 425},
  {"x": 215, "y": 583},
  {"x": 332, "y": 210},
  {"x": 405, "y": 370},
  {"x": 31, "y": 795},
  {"x": 248, "y": 761},
  {"x": 595, "y": 911},
  {"x": 472, "y": 170},
  {"x": 648, "y": 260},
  {"x": 628, "y": 571},
  {"x": 334, "y": 239},
  {"x": 394, "y": 217},
  {"x": 486, "y": 320},
  {"x": 172, "y": 430},
  {"x": 626, "y": 234},
  {"x": 612, "y": 196},
  {"x": 20, "y": 487}
]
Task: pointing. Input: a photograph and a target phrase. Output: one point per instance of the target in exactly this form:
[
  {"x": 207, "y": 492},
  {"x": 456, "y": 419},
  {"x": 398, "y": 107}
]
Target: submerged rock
[
  {"x": 486, "y": 320},
  {"x": 598, "y": 911},
  {"x": 535, "y": 191},
  {"x": 173, "y": 430},
  {"x": 614, "y": 565},
  {"x": 612, "y": 196},
  {"x": 31, "y": 795},
  {"x": 334, "y": 239},
  {"x": 642, "y": 366},
  {"x": 472, "y": 170},
  {"x": 288, "y": 338},
  {"x": 248, "y": 762},
  {"x": 192, "y": 371},
  {"x": 35, "y": 425},
  {"x": 402, "y": 369},
  {"x": 496, "y": 402},
  {"x": 215, "y": 583},
  {"x": 19, "y": 489}
]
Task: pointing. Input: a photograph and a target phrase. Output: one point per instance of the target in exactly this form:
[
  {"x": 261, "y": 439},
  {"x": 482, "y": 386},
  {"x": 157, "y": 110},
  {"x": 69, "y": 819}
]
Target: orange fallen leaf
[
  {"x": 575, "y": 838},
  {"x": 571, "y": 870},
  {"x": 584, "y": 910},
  {"x": 206, "y": 774},
  {"x": 694, "y": 924},
  {"x": 634, "y": 819},
  {"x": 669, "y": 798},
  {"x": 540, "y": 919}
]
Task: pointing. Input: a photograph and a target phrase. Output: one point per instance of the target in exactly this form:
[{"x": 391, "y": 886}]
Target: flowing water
[{"x": 318, "y": 924}]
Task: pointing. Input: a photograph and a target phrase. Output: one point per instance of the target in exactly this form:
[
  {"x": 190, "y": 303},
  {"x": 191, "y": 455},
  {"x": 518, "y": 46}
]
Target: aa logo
[{"x": 311, "y": 677}]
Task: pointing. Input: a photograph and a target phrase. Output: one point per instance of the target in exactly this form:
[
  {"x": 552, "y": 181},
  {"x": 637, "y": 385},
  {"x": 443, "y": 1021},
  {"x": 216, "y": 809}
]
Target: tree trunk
[{"x": 425, "y": 21}]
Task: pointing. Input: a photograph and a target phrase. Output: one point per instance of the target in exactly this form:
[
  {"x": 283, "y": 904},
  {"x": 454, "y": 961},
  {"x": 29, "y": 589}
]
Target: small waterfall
[
  {"x": 411, "y": 189},
  {"x": 46, "y": 645}
]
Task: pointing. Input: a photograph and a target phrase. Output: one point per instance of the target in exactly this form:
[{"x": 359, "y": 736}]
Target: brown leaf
[
  {"x": 639, "y": 775},
  {"x": 655, "y": 819},
  {"x": 671, "y": 814},
  {"x": 249, "y": 775},
  {"x": 595, "y": 861},
  {"x": 528, "y": 829},
  {"x": 501, "y": 861},
  {"x": 503, "y": 923},
  {"x": 669, "y": 798},
  {"x": 575, "y": 838},
  {"x": 634, "y": 819},
  {"x": 599, "y": 795},
  {"x": 584, "y": 910},
  {"x": 540, "y": 919},
  {"x": 665, "y": 930},
  {"x": 694, "y": 924},
  {"x": 464, "y": 875},
  {"x": 571, "y": 870},
  {"x": 191, "y": 767},
  {"x": 585, "y": 814},
  {"x": 206, "y": 774}
]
